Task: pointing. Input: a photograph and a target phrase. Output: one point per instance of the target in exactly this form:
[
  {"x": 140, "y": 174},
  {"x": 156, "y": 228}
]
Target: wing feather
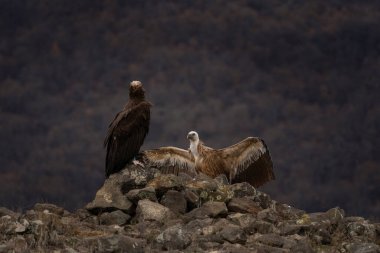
[
  {"x": 250, "y": 159},
  {"x": 170, "y": 160}
]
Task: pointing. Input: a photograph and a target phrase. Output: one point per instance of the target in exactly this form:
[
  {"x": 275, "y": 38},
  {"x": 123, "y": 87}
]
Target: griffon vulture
[
  {"x": 126, "y": 133},
  {"x": 247, "y": 161}
]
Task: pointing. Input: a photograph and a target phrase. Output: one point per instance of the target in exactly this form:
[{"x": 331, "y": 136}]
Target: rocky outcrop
[{"x": 141, "y": 210}]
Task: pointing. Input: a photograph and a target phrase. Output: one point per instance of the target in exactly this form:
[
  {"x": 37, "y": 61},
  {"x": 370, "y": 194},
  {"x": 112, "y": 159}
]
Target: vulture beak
[{"x": 188, "y": 136}]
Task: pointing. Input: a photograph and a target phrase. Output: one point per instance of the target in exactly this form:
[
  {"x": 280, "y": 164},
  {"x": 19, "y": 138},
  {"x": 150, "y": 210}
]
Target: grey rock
[
  {"x": 175, "y": 201},
  {"x": 114, "y": 218},
  {"x": 148, "y": 211},
  {"x": 302, "y": 246},
  {"x": 288, "y": 212},
  {"x": 244, "y": 220},
  {"x": 363, "y": 248},
  {"x": 209, "y": 209},
  {"x": 174, "y": 237},
  {"x": 116, "y": 243},
  {"x": 233, "y": 248},
  {"x": 263, "y": 199},
  {"x": 145, "y": 193},
  {"x": 164, "y": 183},
  {"x": 5, "y": 211},
  {"x": 197, "y": 226},
  {"x": 242, "y": 190},
  {"x": 222, "y": 179},
  {"x": 291, "y": 229},
  {"x": 192, "y": 199},
  {"x": 216, "y": 227},
  {"x": 110, "y": 197},
  {"x": 262, "y": 227},
  {"x": 268, "y": 215},
  {"x": 273, "y": 240},
  {"x": 233, "y": 234},
  {"x": 39, "y": 207},
  {"x": 243, "y": 205},
  {"x": 335, "y": 215}
]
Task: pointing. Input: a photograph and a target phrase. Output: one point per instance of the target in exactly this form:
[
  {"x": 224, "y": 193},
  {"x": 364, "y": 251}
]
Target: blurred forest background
[{"x": 303, "y": 75}]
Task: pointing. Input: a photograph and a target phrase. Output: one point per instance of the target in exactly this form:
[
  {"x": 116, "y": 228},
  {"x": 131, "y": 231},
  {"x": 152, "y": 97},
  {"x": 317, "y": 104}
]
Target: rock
[
  {"x": 287, "y": 212},
  {"x": 273, "y": 240},
  {"x": 148, "y": 211},
  {"x": 291, "y": 229},
  {"x": 196, "y": 226},
  {"x": 49, "y": 207},
  {"x": 301, "y": 247},
  {"x": 164, "y": 183},
  {"x": 21, "y": 227},
  {"x": 5, "y": 211},
  {"x": 363, "y": 248},
  {"x": 110, "y": 198},
  {"x": 192, "y": 199},
  {"x": 174, "y": 238},
  {"x": 205, "y": 185},
  {"x": 262, "y": 227},
  {"x": 243, "y": 220},
  {"x": 18, "y": 244},
  {"x": 145, "y": 193},
  {"x": 233, "y": 234},
  {"x": 209, "y": 209},
  {"x": 116, "y": 243},
  {"x": 335, "y": 215},
  {"x": 187, "y": 219},
  {"x": 268, "y": 215},
  {"x": 263, "y": 199},
  {"x": 243, "y": 205},
  {"x": 242, "y": 190},
  {"x": 221, "y": 179},
  {"x": 233, "y": 248},
  {"x": 175, "y": 201},
  {"x": 215, "y": 227},
  {"x": 114, "y": 218}
]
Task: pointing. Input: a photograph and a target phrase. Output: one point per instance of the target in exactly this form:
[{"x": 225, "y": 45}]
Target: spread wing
[
  {"x": 170, "y": 160},
  {"x": 251, "y": 161},
  {"x": 125, "y": 136}
]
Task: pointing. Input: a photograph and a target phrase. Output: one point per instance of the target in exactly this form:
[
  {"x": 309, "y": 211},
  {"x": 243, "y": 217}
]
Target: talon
[{"x": 136, "y": 162}]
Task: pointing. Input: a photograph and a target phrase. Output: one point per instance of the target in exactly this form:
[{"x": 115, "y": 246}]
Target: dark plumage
[{"x": 126, "y": 133}]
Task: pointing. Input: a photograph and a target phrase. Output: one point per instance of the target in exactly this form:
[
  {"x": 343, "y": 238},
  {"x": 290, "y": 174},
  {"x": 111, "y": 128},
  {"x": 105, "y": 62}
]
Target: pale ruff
[{"x": 194, "y": 149}]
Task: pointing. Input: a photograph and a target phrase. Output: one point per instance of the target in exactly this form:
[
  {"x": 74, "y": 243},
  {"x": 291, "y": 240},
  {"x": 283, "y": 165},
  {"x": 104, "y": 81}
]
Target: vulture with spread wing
[
  {"x": 126, "y": 133},
  {"x": 247, "y": 161}
]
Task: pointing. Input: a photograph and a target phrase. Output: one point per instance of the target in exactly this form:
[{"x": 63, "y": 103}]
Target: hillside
[{"x": 302, "y": 75}]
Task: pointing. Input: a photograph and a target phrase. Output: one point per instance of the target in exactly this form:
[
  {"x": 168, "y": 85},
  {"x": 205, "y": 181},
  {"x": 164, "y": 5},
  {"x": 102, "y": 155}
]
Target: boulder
[
  {"x": 152, "y": 211},
  {"x": 209, "y": 209},
  {"x": 175, "y": 201}
]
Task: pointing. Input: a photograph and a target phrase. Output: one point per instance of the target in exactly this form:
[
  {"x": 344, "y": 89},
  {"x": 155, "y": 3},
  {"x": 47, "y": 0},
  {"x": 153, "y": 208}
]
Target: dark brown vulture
[
  {"x": 126, "y": 133},
  {"x": 247, "y": 161}
]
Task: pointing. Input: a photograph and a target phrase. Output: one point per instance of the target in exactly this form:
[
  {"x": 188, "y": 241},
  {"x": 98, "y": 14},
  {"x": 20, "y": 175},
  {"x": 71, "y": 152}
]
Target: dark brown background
[{"x": 303, "y": 75}]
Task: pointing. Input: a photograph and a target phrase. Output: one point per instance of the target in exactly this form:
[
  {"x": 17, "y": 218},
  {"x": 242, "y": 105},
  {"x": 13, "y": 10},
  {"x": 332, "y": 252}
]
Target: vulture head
[
  {"x": 192, "y": 136},
  {"x": 136, "y": 90}
]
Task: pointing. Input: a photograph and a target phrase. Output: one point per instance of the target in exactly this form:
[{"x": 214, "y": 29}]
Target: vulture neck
[{"x": 194, "y": 148}]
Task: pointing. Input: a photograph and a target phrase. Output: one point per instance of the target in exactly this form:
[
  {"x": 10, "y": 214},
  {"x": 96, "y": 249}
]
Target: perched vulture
[
  {"x": 126, "y": 133},
  {"x": 247, "y": 161}
]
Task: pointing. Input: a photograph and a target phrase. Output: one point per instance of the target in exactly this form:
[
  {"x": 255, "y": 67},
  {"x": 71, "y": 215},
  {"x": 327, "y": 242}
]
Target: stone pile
[{"x": 142, "y": 210}]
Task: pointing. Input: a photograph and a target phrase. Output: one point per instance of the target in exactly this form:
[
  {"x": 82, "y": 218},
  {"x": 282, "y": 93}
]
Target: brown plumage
[
  {"x": 126, "y": 133},
  {"x": 247, "y": 161}
]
